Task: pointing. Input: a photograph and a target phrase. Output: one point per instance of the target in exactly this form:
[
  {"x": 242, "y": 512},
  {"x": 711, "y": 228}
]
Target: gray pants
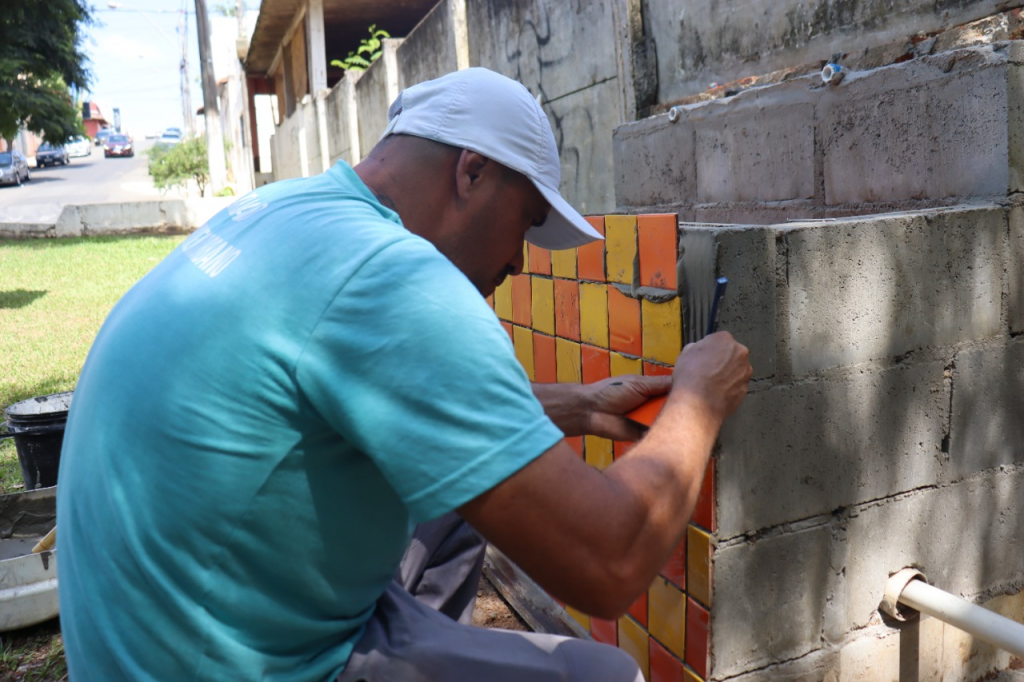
[{"x": 420, "y": 630}]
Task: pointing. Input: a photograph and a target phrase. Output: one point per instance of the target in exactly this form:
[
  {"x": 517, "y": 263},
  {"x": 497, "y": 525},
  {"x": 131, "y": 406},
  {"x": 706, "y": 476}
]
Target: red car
[{"x": 118, "y": 145}]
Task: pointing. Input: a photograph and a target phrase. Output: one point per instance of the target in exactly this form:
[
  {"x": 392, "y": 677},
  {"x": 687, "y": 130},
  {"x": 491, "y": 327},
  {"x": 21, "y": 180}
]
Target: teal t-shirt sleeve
[{"x": 411, "y": 366}]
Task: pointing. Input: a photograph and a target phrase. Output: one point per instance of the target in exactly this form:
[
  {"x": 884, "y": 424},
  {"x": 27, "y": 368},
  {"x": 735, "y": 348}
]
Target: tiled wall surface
[{"x": 580, "y": 315}]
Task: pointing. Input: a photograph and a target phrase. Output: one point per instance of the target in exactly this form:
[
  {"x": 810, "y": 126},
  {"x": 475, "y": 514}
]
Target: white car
[{"x": 79, "y": 146}]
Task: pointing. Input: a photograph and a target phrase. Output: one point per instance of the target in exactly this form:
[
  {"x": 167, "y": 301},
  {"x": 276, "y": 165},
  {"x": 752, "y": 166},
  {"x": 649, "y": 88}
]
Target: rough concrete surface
[
  {"x": 814, "y": 667},
  {"x": 768, "y": 600},
  {"x": 168, "y": 215},
  {"x": 339, "y": 113},
  {"x": 878, "y": 287},
  {"x": 797, "y": 451},
  {"x": 929, "y": 128},
  {"x": 654, "y": 162},
  {"x": 429, "y": 51},
  {"x": 372, "y": 104},
  {"x": 1015, "y": 270},
  {"x": 965, "y": 537}
]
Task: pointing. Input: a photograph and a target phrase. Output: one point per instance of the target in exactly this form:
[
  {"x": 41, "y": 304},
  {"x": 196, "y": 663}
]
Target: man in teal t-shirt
[{"x": 265, "y": 418}]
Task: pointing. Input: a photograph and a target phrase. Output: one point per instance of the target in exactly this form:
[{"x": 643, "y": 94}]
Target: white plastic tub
[{"x": 28, "y": 582}]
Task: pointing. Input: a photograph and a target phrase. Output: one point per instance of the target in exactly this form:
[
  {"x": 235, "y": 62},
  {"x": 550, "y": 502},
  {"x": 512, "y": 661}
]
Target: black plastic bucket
[{"x": 37, "y": 427}]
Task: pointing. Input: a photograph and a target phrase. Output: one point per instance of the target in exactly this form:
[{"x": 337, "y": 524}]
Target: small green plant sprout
[{"x": 370, "y": 50}]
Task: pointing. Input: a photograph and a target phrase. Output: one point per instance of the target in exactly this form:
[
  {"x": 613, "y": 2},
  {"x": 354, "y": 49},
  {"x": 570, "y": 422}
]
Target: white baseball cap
[{"x": 485, "y": 112}]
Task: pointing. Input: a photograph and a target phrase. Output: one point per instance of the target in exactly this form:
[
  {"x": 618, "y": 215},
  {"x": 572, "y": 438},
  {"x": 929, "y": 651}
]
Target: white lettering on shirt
[{"x": 209, "y": 252}]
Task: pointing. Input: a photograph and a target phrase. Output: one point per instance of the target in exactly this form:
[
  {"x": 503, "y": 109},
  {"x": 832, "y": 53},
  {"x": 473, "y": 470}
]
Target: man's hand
[
  {"x": 716, "y": 371},
  {"x": 610, "y": 399}
]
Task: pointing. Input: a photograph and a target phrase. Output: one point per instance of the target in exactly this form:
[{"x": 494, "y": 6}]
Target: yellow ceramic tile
[
  {"x": 620, "y": 243},
  {"x": 503, "y": 300},
  {"x": 594, "y": 314},
  {"x": 580, "y": 617},
  {"x": 690, "y": 676},
  {"x": 568, "y": 365},
  {"x": 666, "y": 615},
  {"x": 620, "y": 365},
  {"x": 633, "y": 640},
  {"x": 598, "y": 452},
  {"x": 543, "y": 305},
  {"x": 526, "y": 258},
  {"x": 698, "y": 565},
  {"x": 662, "y": 330},
  {"x": 563, "y": 263},
  {"x": 523, "y": 340}
]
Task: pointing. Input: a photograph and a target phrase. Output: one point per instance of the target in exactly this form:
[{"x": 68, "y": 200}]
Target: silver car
[
  {"x": 79, "y": 146},
  {"x": 13, "y": 168}
]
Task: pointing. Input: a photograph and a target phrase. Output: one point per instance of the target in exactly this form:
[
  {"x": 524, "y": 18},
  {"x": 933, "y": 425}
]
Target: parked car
[
  {"x": 13, "y": 168},
  {"x": 80, "y": 146},
  {"x": 51, "y": 155},
  {"x": 118, "y": 145},
  {"x": 102, "y": 135}
]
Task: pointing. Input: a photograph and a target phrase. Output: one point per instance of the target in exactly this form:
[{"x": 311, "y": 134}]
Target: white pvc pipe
[{"x": 971, "y": 618}]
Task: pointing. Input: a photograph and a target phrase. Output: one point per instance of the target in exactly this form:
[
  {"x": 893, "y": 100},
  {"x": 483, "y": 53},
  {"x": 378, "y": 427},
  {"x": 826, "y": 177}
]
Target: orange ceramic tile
[
  {"x": 594, "y": 314},
  {"x": 620, "y": 247},
  {"x": 648, "y": 412},
  {"x": 664, "y": 666},
  {"x": 698, "y": 622},
  {"x": 490, "y": 300},
  {"x": 620, "y": 365},
  {"x": 598, "y": 452},
  {"x": 543, "y": 295},
  {"x": 633, "y": 639},
  {"x": 638, "y": 609},
  {"x": 653, "y": 370},
  {"x": 674, "y": 569},
  {"x": 540, "y": 260},
  {"x": 667, "y": 615},
  {"x": 567, "y": 309},
  {"x": 563, "y": 263},
  {"x": 522, "y": 300},
  {"x": 659, "y": 242},
  {"x": 704, "y": 512},
  {"x": 526, "y": 258},
  {"x": 621, "y": 447},
  {"x": 544, "y": 359},
  {"x": 567, "y": 362},
  {"x": 580, "y": 617},
  {"x": 604, "y": 631},
  {"x": 523, "y": 340},
  {"x": 698, "y": 565},
  {"x": 503, "y": 300},
  {"x": 595, "y": 364},
  {"x": 624, "y": 330},
  {"x": 662, "y": 330},
  {"x": 590, "y": 257},
  {"x": 576, "y": 443},
  {"x": 508, "y": 330}
]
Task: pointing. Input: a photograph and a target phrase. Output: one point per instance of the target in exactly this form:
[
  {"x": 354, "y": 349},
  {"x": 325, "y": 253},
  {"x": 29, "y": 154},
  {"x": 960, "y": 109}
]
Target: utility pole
[
  {"x": 186, "y": 91},
  {"x": 214, "y": 132}
]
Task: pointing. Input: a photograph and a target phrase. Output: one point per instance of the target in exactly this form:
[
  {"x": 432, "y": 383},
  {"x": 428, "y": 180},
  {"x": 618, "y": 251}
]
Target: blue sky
[{"x": 135, "y": 56}]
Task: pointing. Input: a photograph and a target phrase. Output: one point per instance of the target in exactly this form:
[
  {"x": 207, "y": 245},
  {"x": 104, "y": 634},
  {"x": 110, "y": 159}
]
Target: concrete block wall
[{"x": 929, "y": 132}]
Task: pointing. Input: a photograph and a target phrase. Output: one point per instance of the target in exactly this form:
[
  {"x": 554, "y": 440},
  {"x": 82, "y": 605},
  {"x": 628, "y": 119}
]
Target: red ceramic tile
[
  {"x": 653, "y": 370},
  {"x": 590, "y": 257},
  {"x": 567, "y": 309},
  {"x": 704, "y": 512},
  {"x": 540, "y": 260},
  {"x": 674, "y": 569},
  {"x": 697, "y": 636},
  {"x": 664, "y": 666},
  {"x": 624, "y": 332},
  {"x": 595, "y": 364},
  {"x": 659, "y": 242},
  {"x": 544, "y": 359},
  {"x": 604, "y": 631},
  {"x": 621, "y": 447},
  {"x": 639, "y": 610},
  {"x": 522, "y": 300},
  {"x": 576, "y": 443},
  {"x": 508, "y": 329}
]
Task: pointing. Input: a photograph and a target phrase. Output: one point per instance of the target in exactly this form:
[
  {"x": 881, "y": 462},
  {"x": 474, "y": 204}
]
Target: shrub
[{"x": 176, "y": 165}]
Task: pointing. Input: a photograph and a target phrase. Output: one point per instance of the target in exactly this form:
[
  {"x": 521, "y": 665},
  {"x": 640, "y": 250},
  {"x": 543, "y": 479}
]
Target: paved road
[{"x": 86, "y": 180}]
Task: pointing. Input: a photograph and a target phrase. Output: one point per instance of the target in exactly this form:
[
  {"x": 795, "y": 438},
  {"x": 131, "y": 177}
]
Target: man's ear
[{"x": 469, "y": 172}]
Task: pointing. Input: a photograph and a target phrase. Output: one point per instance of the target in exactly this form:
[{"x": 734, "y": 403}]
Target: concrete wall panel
[
  {"x": 797, "y": 451},
  {"x": 430, "y": 50},
  {"x": 1015, "y": 270},
  {"x": 654, "y": 162},
  {"x": 878, "y": 287},
  {"x": 339, "y": 115},
  {"x": 372, "y": 104}
]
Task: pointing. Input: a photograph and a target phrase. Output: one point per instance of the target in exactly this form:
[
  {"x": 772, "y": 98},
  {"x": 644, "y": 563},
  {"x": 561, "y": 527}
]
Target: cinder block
[
  {"x": 769, "y": 596},
  {"x": 654, "y": 162},
  {"x": 926, "y": 129},
  {"x": 814, "y": 667},
  {"x": 793, "y": 452},
  {"x": 965, "y": 537},
  {"x": 1015, "y": 269},
  {"x": 987, "y": 428},
  {"x": 878, "y": 287},
  {"x": 1015, "y": 99},
  {"x": 761, "y": 150}
]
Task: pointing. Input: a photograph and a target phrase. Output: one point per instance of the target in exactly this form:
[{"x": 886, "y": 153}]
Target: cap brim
[{"x": 565, "y": 228}]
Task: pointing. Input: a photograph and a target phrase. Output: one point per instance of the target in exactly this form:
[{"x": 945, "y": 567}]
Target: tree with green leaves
[
  {"x": 171, "y": 166},
  {"x": 41, "y": 57},
  {"x": 370, "y": 50}
]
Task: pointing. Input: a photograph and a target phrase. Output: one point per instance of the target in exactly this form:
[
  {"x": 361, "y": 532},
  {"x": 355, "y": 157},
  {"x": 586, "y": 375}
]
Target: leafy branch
[{"x": 370, "y": 50}]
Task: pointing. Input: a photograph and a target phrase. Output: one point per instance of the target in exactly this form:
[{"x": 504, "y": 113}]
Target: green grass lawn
[{"x": 54, "y": 295}]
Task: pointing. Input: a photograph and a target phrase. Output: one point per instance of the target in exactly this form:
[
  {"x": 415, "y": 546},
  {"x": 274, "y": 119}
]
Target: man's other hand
[{"x": 610, "y": 399}]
